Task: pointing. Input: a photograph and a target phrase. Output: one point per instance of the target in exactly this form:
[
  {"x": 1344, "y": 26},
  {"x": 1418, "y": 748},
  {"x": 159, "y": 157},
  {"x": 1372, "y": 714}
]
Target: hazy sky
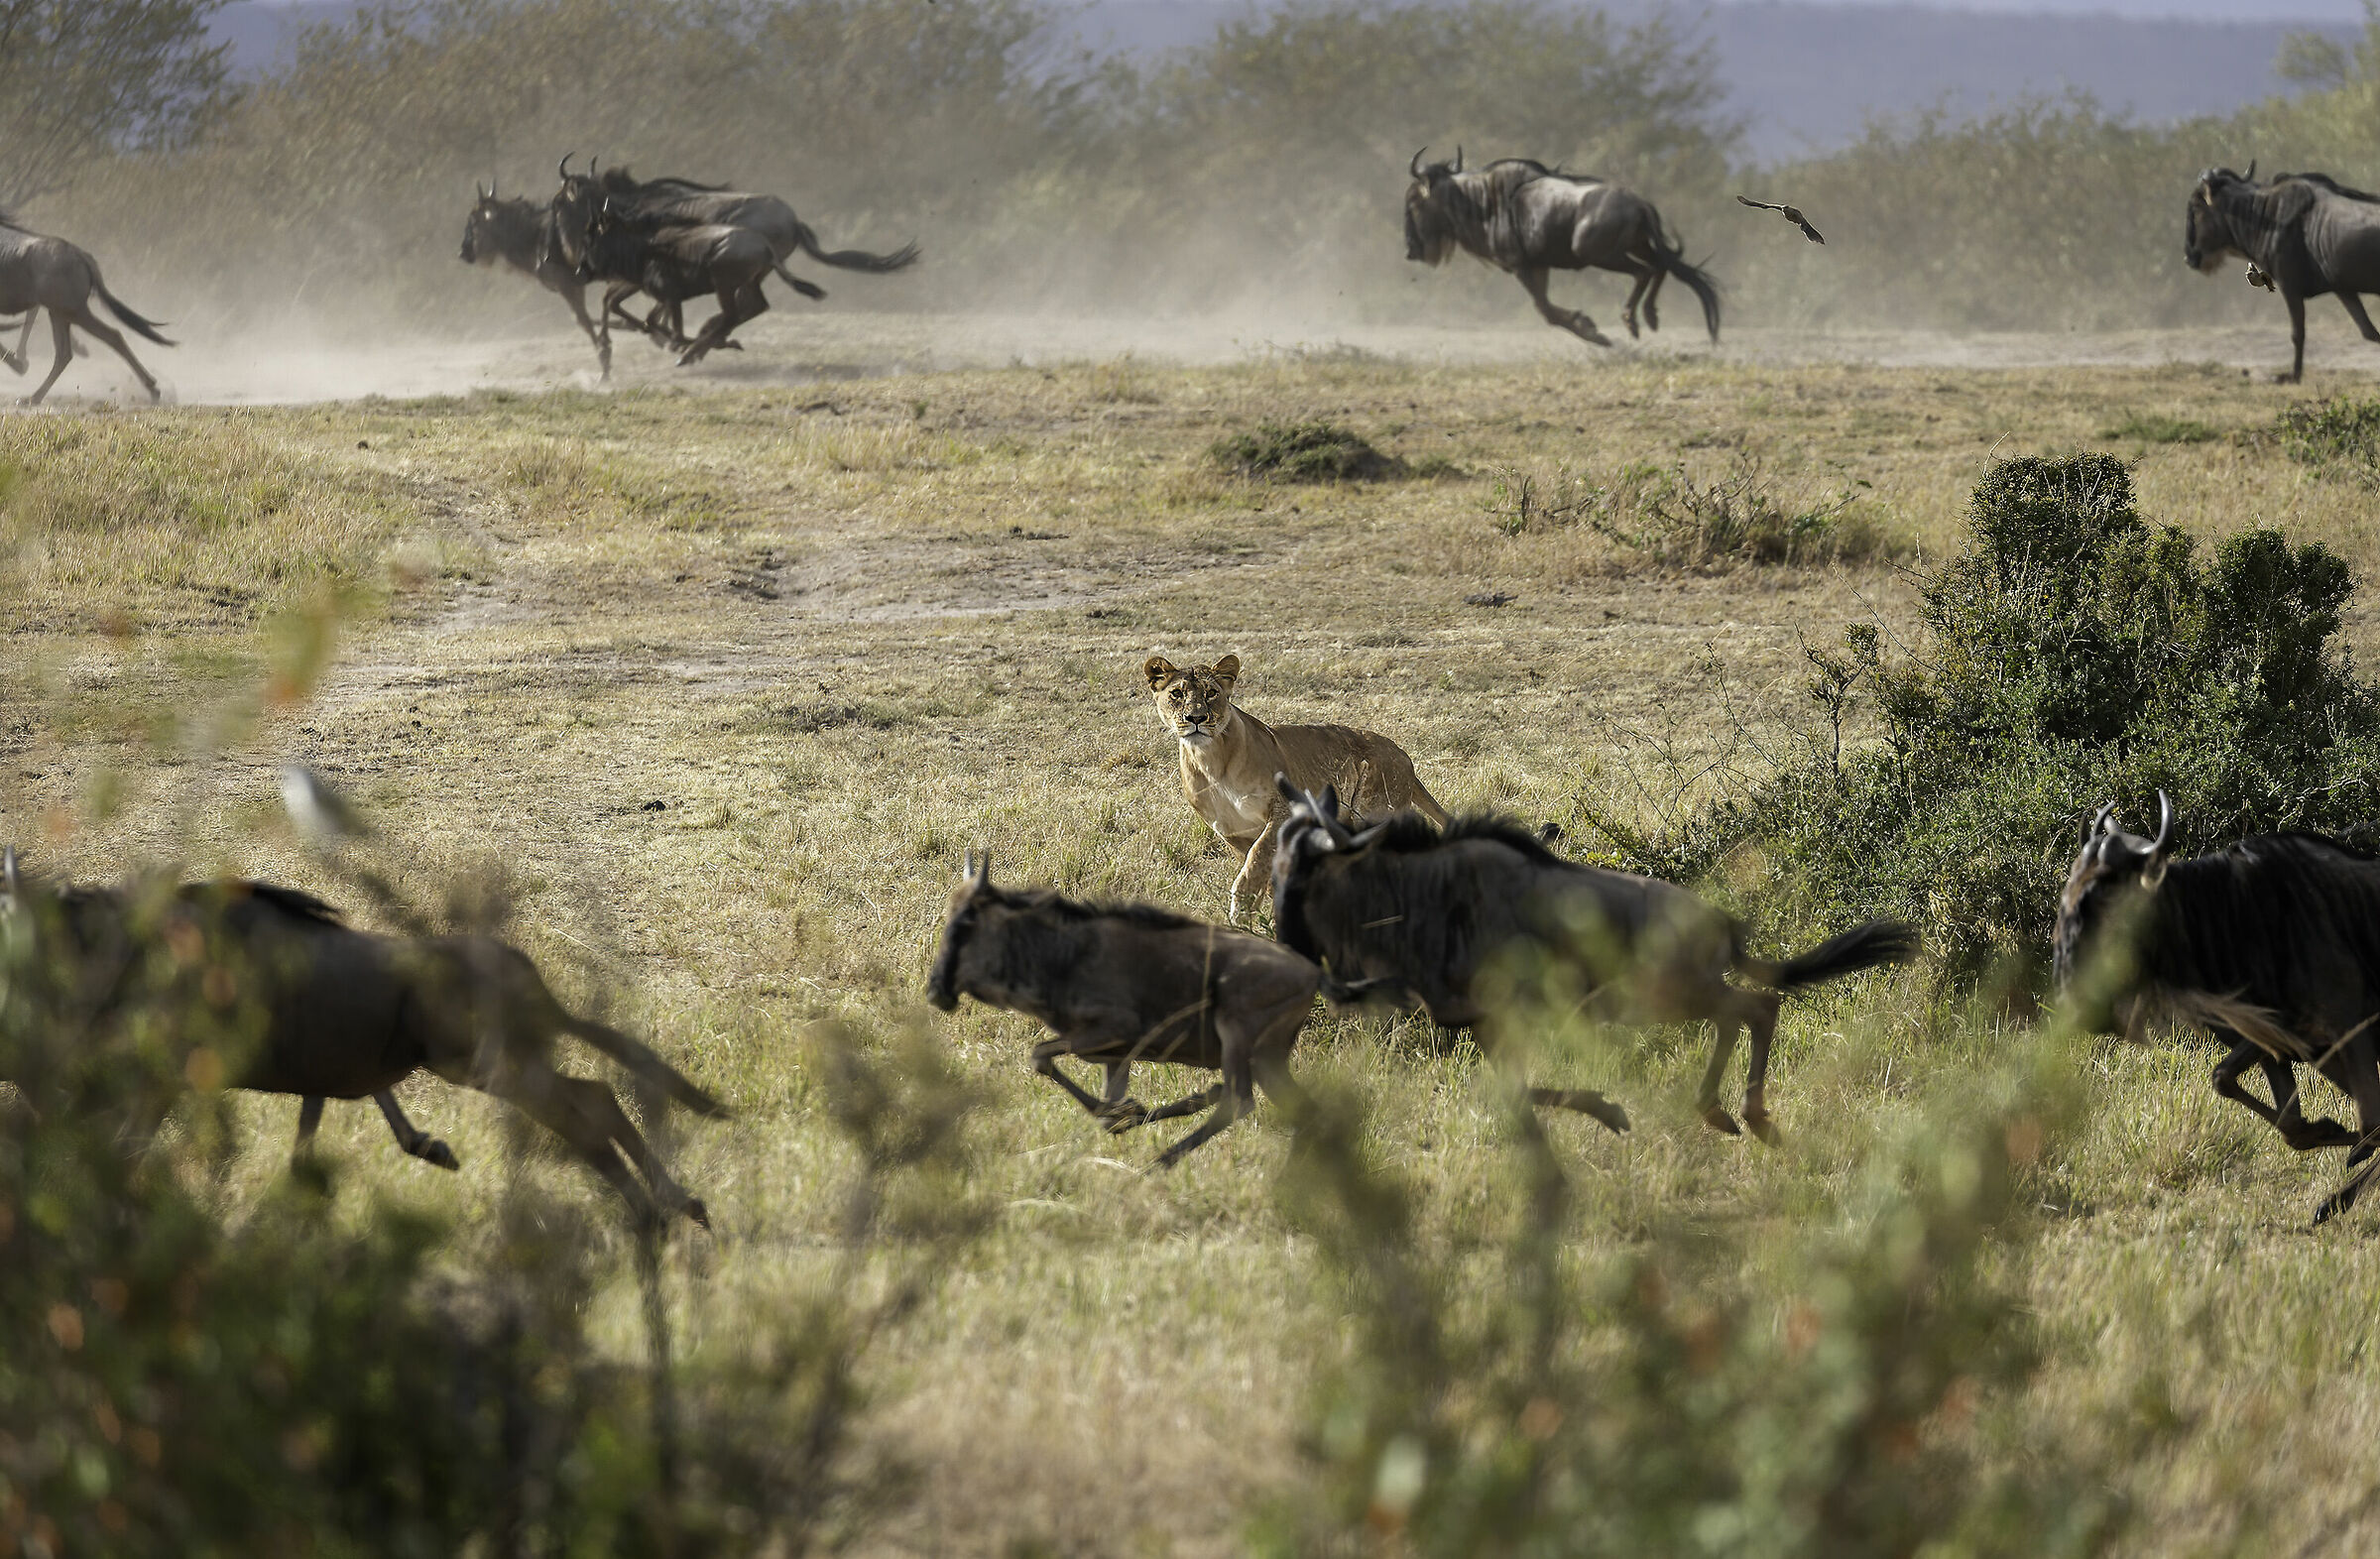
[{"x": 2197, "y": 10}]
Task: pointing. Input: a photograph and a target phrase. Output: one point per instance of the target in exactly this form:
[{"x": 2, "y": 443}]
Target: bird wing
[
  {"x": 1811, "y": 233},
  {"x": 1758, "y": 205}
]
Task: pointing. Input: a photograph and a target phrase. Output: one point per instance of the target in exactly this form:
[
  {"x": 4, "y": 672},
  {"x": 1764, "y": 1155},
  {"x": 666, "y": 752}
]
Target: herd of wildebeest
[{"x": 1377, "y": 895}]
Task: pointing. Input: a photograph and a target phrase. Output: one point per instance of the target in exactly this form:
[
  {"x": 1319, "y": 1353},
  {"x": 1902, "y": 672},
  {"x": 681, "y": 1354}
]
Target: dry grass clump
[
  {"x": 1671, "y": 517},
  {"x": 1309, "y": 451}
]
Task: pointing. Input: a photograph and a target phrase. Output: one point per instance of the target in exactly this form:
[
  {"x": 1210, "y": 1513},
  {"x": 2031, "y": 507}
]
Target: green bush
[
  {"x": 1667, "y": 515},
  {"x": 1686, "y": 1399},
  {"x": 176, "y": 1385},
  {"x": 2073, "y": 655},
  {"x": 2339, "y": 433}
]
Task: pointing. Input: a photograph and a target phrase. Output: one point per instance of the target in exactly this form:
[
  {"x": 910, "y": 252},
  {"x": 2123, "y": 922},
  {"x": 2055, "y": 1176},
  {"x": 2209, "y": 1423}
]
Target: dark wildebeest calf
[
  {"x": 1529, "y": 219},
  {"x": 2272, "y": 945},
  {"x": 39, "y": 271},
  {"x": 341, "y": 1014},
  {"x": 2305, "y": 233},
  {"x": 676, "y": 263},
  {"x": 1127, "y": 982},
  {"x": 1410, "y": 915}
]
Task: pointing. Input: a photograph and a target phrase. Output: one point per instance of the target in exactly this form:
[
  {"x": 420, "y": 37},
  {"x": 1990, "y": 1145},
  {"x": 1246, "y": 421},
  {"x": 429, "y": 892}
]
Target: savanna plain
[{"x": 721, "y": 683}]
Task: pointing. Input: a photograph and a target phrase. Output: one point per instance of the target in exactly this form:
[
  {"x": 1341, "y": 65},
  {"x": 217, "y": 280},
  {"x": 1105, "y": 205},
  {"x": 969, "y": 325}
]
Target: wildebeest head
[
  {"x": 1195, "y": 702},
  {"x": 2113, "y": 880},
  {"x": 962, "y": 954},
  {"x": 485, "y": 213},
  {"x": 2207, "y": 237},
  {"x": 1310, "y": 833},
  {"x": 1429, "y": 233}
]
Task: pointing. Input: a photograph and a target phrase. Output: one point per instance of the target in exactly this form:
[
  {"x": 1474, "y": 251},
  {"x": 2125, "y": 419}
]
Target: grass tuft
[{"x": 1314, "y": 452}]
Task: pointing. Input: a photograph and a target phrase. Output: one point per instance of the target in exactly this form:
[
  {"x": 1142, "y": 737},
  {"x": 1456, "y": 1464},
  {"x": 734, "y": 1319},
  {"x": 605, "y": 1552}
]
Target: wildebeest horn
[
  {"x": 980, "y": 864},
  {"x": 1289, "y": 792},
  {"x": 1416, "y": 163},
  {"x": 563, "y": 169},
  {"x": 2250, "y": 177},
  {"x": 2165, "y": 824},
  {"x": 1458, "y": 156},
  {"x": 8, "y": 874}
]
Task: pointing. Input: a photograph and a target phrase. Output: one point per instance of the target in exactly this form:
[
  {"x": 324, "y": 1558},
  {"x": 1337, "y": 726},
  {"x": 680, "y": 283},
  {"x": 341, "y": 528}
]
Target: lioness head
[{"x": 1195, "y": 702}]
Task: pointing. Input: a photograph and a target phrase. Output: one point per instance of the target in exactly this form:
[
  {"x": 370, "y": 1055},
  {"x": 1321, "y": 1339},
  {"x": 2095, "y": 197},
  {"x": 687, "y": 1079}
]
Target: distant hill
[{"x": 1804, "y": 77}]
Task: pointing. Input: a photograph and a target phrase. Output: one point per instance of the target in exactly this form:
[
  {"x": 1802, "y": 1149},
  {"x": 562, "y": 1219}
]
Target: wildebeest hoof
[
  {"x": 2319, "y": 1131},
  {"x": 1715, "y": 1117},
  {"x": 437, "y": 1152},
  {"x": 2332, "y": 1207},
  {"x": 1122, "y": 1116},
  {"x": 699, "y": 1213},
  {"x": 1761, "y": 1126},
  {"x": 1606, "y": 1110}
]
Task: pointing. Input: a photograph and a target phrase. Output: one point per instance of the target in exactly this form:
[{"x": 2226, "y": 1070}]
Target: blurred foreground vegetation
[{"x": 1263, "y": 166}]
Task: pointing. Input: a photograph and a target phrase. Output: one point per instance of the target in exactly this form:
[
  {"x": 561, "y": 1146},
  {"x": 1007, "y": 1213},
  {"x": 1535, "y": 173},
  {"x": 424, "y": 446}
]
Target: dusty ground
[{"x": 840, "y": 625}]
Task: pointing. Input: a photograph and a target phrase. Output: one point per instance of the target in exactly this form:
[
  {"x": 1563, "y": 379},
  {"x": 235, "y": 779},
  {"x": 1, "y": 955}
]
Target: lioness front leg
[{"x": 1255, "y": 880}]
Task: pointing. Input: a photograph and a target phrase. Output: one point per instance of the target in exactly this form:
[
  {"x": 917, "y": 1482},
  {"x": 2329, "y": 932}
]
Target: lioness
[{"x": 1229, "y": 759}]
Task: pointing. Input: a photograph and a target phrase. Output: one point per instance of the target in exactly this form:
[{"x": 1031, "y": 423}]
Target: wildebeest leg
[
  {"x": 1715, "y": 1114},
  {"x": 18, "y": 360},
  {"x": 1532, "y": 278},
  {"x": 2297, "y": 336},
  {"x": 1586, "y": 1100},
  {"x": 542, "y": 1100},
  {"x": 1628, "y": 312},
  {"x": 410, "y": 1137},
  {"x": 2363, "y": 321},
  {"x": 1760, "y": 1015},
  {"x": 599, "y": 1106},
  {"x": 99, "y": 330},
  {"x": 1117, "y": 1108},
  {"x": 1190, "y": 1105},
  {"x": 738, "y": 304},
  {"x": 64, "y": 335},
  {"x": 1045, "y": 1064},
  {"x": 576, "y": 298},
  {"x": 2358, "y": 1069},
  {"x": 309, "y": 1120},
  {"x": 2284, "y": 1114},
  {"x": 1233, "y": 1097}
]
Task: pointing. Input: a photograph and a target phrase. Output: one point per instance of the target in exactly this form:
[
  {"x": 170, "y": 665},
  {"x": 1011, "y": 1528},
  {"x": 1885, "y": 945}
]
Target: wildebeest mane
[
  {"x": 1053, "y": 903},
  {"x": 294, "y": 901},
  {"x": 619, "y": 180},
  {"x": 1409, "y": 831},
  {"x": 2331, "y": 184}
]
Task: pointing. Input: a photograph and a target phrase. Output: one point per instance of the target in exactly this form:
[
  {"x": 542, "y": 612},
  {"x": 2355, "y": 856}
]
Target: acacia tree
[{"x": 78, "y": 77}]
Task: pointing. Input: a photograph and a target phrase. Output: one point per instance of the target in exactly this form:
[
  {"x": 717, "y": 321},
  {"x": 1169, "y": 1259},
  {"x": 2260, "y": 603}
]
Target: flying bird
[
  {"x": 1792, "y": 214},
  {"x": 320, "y": 813}
]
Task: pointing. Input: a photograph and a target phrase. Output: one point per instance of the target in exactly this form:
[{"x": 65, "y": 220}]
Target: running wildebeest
[
  {"x": 341, "y": 1014},
  {"x": 40, "y": 272},
  {"x": 2272, "y": 945},
  {"x": 1127, "y": 982},
  {"x": 2306, "y": 234},
  {"x": 1529, "y": 219},
  {"x": 682, "y": 202},
  {"x": 519, "y": 233},
  {"x": 673, "y": 263},
  {"x": 1405, "y": 914}
]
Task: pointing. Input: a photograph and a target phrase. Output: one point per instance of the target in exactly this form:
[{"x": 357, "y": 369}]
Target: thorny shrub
[
  {"x": 1668, "y": 1401},
  {"x": 2073, "y": 654}
]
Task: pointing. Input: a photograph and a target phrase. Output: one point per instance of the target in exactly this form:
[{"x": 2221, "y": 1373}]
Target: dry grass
[{"x": 843, "y": 633}]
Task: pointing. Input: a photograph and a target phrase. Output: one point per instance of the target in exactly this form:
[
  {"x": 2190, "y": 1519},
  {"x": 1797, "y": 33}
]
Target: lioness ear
[
  {"x": 1157, "y": 669},
  {"x": 1225, "y": 672}
]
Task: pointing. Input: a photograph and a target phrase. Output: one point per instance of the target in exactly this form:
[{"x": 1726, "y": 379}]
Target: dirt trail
[{"x": 788, "y": 348}]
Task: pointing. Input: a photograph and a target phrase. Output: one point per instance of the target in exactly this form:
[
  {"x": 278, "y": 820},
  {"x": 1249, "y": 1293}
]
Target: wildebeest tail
[
  {"x": 857, "y": 258},
  {"x": 639, "y": 1057},
  {"x": 1868, "y": 946},
  {"x": 115, "y": 305}
]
